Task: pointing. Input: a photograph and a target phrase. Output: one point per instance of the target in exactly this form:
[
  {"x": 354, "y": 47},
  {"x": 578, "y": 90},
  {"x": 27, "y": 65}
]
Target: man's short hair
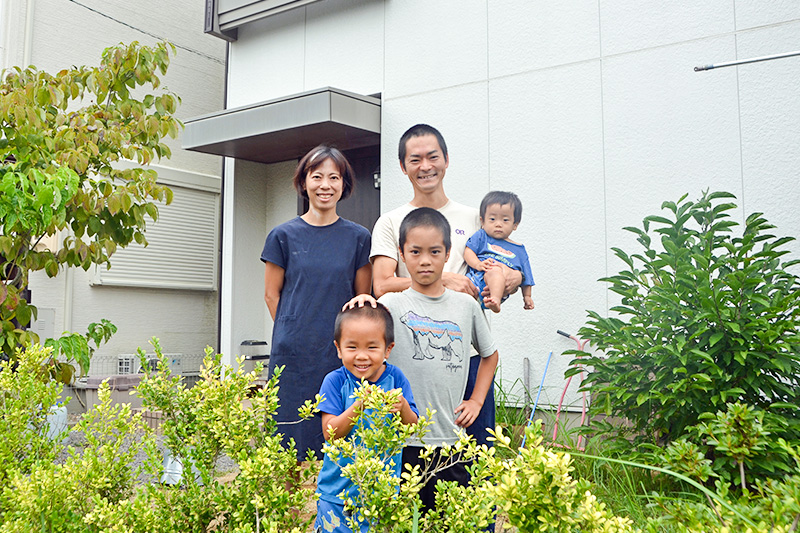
[
  {"x": 379, "y": 314},
  {"x": 315, "y": 158},
  {"x": 502, "y": 198},
  {"x": 418, "y": 131},
  {"x": 425, "y": 217}
]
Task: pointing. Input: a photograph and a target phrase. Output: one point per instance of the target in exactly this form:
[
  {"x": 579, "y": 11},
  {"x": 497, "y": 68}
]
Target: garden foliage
[
  {"x": 94, "y": 486},
  {"x": 708, "y": 316},
  {"x": 60, "y": 137},
  {"x": 533, "y": 488},
  {"x": 735, "y": 437}
]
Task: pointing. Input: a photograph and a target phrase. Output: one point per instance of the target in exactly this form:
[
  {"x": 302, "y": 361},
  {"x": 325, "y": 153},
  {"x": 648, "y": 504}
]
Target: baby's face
[{"x": 498, "y": 221}]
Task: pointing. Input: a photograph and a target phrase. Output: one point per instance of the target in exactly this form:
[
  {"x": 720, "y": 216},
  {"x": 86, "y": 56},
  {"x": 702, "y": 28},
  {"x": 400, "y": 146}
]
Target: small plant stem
[
  {"x": 741, "y": 475},
  {"x": 716, "y": 511},
  {"x": 795, "y": 522}
]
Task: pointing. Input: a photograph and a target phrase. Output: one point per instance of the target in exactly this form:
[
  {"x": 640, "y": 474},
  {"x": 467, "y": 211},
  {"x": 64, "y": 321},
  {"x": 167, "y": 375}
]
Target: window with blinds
[{"x": 181, "y": 251}]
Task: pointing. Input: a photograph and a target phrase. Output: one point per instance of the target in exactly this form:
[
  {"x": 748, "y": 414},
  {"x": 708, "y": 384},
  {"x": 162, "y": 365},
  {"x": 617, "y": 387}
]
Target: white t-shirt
[{"x": 464, "y": 221}]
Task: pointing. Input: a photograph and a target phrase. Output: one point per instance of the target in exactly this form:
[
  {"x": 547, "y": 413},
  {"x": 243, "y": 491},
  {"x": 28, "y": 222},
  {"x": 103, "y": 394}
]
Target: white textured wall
[
  {"x": 263, "y": 197},
  {"x": 589, "y": 109},
  {"x": 68, "y": 33}
]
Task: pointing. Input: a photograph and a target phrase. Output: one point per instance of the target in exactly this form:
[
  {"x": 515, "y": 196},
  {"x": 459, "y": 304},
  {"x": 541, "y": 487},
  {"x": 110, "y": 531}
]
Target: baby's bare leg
[{"x": 495, "y": 279}]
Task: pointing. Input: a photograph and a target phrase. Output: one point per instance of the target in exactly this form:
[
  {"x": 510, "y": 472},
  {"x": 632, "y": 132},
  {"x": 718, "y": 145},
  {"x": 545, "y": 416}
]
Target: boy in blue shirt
[
  {"x": 490, "y": 253},
  {"x": 364, "y": 337}
]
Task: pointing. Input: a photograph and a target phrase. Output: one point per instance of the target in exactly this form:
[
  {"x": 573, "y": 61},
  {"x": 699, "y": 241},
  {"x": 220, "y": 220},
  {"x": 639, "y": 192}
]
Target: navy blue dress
[{"x": 320, "y": 265}]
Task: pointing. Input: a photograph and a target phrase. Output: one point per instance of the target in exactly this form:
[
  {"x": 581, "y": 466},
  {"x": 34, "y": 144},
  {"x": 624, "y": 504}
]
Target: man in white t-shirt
[{"x": 424, "y": 159}]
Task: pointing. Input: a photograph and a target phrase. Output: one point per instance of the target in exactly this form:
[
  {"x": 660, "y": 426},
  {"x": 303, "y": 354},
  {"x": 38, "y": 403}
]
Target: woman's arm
[
  {"x": 363, "y": 281},
  {"x": 273, "y": 284}
]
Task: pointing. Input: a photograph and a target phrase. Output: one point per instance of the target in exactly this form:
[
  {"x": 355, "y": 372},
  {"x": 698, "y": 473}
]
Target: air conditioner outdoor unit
[{"x": 130, "y": 364}]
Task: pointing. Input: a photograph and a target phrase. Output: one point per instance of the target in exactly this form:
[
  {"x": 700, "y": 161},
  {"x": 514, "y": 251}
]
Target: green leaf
[{"x": 715, "y": 338}]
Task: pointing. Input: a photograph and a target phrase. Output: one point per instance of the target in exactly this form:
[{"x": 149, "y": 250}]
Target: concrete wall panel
[
  {"x": 431, "y": 45},
  {"x": 770, "y": 115},
  {"x": 668, "y": 131},
  {"x": 351, "y": 60},
  {"x": 753, "y": 13},
  {"x": 627, "y": 25},
  {"x": 546, "y": 145},
  {"x": 268, "y": 60},
  {"x": 525, "y": 35}
]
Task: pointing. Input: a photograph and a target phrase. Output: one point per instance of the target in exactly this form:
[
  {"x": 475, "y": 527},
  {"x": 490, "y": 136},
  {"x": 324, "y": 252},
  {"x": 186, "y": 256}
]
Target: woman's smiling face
[{"x": 324, "y": 186}]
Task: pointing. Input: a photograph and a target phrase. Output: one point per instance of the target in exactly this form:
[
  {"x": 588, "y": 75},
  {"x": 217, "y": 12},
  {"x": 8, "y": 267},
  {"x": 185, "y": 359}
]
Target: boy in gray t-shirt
[{"x": 434, "y": 328}]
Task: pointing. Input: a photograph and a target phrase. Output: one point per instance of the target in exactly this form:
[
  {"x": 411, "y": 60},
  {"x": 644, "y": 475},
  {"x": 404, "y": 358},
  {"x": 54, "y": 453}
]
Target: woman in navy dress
[{"x": 314, "y": 264}]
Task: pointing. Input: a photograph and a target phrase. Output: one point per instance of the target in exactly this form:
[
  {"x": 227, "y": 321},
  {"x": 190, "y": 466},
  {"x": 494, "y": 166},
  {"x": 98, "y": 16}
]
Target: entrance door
[{"x": 364, "y": 205}]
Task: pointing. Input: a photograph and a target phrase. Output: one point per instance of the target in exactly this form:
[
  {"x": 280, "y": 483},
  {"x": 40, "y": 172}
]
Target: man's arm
[{"x": 383, "y": 278}]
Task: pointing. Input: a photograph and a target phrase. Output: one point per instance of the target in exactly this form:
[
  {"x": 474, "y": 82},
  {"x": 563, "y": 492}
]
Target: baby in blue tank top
[{"x": 489, "y": 252}]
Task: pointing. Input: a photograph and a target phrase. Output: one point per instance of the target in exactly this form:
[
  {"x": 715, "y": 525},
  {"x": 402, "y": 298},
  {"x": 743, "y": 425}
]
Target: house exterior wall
[
  {"x": 588, "y": 109},
  {"x": 75, "y": 33}
]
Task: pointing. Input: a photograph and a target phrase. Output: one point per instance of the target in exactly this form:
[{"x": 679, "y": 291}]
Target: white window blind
[{"x": 181, "y": 251}]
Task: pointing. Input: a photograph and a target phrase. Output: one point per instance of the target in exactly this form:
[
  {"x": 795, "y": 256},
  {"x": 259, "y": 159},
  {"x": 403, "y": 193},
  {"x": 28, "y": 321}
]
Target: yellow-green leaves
[{"x": 57, "y": 165}]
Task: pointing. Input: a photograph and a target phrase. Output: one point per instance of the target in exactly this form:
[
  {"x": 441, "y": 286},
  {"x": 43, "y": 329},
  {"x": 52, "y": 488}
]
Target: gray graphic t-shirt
[{"x": 432, "y": 340}]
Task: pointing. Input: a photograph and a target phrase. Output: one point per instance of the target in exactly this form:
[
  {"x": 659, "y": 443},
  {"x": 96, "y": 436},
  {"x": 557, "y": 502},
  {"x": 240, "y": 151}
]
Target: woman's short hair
[{"x": 314, "y": 158}]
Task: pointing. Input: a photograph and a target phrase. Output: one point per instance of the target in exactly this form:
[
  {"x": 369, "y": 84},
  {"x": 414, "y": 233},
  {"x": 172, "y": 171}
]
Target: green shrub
[
  {"x": 25, "y": 401},
  {"x": 61, "y": 496},
  {"x": 706, "y": 318},
  {"x": 220, "y": 415}
]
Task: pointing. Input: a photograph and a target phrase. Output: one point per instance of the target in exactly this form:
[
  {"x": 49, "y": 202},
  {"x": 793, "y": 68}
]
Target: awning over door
[{"x": 286, "y": 128}]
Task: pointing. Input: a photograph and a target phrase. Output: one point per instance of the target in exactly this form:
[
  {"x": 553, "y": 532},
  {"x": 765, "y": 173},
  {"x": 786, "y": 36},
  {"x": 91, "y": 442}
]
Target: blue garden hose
[{"x": 541, "y": 386}]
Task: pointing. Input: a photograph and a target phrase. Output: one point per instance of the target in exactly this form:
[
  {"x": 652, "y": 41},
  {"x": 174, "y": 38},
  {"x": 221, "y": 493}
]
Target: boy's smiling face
[
  {"x": 362, "y": 347},
  {"x": 424, "y": 254}
]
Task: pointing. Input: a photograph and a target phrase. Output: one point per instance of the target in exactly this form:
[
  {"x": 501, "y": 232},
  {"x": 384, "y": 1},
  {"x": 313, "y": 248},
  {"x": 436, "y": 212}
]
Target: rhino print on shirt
[{"x": 432, "y": 334}]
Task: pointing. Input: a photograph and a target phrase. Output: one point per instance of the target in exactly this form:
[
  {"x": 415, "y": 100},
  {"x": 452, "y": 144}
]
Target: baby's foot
[{"x": 491, "y": 303}]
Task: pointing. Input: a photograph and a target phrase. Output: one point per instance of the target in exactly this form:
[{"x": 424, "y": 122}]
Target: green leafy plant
[
  {"x": 25, "y": 401},
  {"x": 765, "y": 505},
  {"x": 706, "y": 317},
  {"x": 60, "y": 136},
  {"x": 220, "y": 415},
  {"x": 109, "y": 481},
  {"x": 531, "y": 485},
  {"x": 72, "y": 347},
  {"x": 60, "y": 496}
]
